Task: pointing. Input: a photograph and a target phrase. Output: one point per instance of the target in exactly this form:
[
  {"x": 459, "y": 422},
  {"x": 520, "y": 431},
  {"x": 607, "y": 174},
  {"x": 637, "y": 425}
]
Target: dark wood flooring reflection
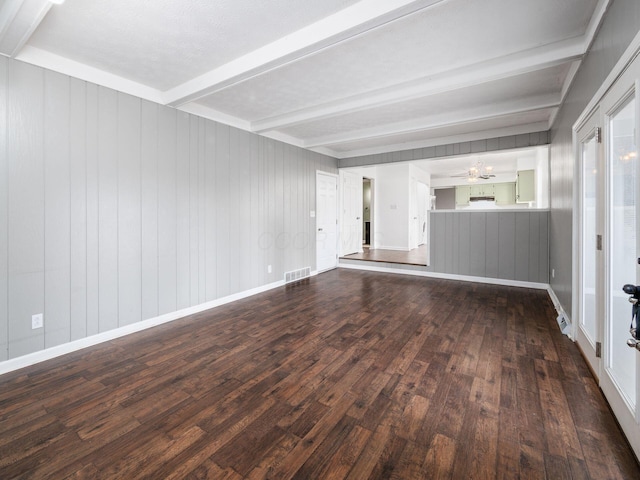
[
  {"x": 346, "y": 375},
  {"x": 417, "y": 256}
]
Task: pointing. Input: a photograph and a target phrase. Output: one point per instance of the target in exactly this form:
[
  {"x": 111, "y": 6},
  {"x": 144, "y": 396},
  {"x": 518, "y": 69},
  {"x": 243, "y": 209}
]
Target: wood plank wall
[
  {"x": 114, "y": 209},
  {"x": 507, "y": 245}
]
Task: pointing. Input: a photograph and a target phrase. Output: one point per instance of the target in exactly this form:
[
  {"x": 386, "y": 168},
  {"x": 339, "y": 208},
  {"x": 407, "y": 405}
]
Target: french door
[
  {"x": 590, "y": 331},
  {"x": 609, "y": 230}
]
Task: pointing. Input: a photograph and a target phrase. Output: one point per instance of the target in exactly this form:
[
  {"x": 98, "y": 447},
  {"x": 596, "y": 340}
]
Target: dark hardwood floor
[
  {"x": 417, "y": 256},
  {"x": 345, "y": 375}
]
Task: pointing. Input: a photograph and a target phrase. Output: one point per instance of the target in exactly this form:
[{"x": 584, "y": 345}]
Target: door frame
[
  {"x": 592, "y": 124},
  {"x": 371, "y": 210},
  {"x": 628, "y": 421},
  {"x": 344, "y": 225},
  {"x": 632, "y": 51}
]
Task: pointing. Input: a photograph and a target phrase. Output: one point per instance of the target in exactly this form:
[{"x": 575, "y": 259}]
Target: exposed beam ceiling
[
  {"x": 328, "y": 31},
  {"x": 339, "y": 77}
]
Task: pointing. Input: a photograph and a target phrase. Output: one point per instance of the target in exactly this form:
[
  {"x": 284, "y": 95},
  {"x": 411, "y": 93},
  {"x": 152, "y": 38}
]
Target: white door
[
  {"x": 326, "y": 221},
  {"x": 610, "y": 202},
  {"x": 414, "y": 221},
  {"x": 351, "y": 231},
  {"x": 621, "y": 364},
  {"x": 590, "y": 230},
  {"x": 423, "y": 213}
]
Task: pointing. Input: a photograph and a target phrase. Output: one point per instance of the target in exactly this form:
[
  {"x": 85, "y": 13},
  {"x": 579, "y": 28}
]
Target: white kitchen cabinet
[
  {"x": 505, "y": 193},
  {"x": 525, "y": 186},
  {"x": 482, "y": 190},
  {"x": 463, "y": 192}
]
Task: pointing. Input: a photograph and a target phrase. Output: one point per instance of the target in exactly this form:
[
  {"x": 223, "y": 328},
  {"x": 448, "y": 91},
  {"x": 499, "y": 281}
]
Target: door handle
[
  {"x": 633, "y": 343},
  {"x": 319, "y": 229},
  {"x": 634, "y": 299},
  {"x": 357, "y": 218}
]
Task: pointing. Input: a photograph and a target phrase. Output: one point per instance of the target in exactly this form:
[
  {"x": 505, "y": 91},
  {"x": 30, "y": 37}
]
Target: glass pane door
[
  {"x": 621, "y": 361},
  {"x": 590, "y": 259},
  {"x": 589, "y": 232},
  {"x": 617, "y": 264}
]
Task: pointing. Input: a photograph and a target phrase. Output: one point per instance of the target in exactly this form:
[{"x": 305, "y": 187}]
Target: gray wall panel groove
[
  {"x": 129, "y": 211},
  {"x": 183, "y": 212},
  {"x": 57, "y": 213},
  {"x": 107, "y": 209},
  {"x": 4, "y": 186},
  {"x": 117, "y": 210},
  {"x": 25, "y": 153},
  {"x": 167, "y": 212},
  {"x": 78, "y": 206},
  {"x": 93, "y": 261}
]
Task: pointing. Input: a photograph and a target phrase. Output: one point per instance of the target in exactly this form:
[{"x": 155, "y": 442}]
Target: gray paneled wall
[
  {"x": 114, "y": 209},
  {"x": 450, "y": 149},
  {"x": 507, "y": 245}
]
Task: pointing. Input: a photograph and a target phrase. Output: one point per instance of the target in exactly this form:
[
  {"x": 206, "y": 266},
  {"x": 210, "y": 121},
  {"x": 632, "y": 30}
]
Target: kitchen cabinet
[
  {"x": 525, "y": 186},
  {"x": 505, "y": 193},
  {"x": 482, "y": 190},
  {"x": 462, "y": 195}
]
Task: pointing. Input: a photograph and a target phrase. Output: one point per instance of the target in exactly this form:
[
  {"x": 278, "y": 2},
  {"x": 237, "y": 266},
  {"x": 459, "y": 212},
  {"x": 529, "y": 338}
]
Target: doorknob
[
  {"x": 319, "y": 229},
  {"x": 634, "y": 299}
]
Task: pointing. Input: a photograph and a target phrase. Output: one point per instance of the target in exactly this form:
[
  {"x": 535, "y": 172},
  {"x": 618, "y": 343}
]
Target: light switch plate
[{"x": 37, "y": 321}]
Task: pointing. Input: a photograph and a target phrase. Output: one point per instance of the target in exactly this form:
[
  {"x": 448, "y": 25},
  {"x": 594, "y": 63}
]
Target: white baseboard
[
  {"x": 53, "y": 352},
  {"x": 560, "y": 310},
  {"x": 448, "y": 276},
  {"x": 387, "y": 247}
]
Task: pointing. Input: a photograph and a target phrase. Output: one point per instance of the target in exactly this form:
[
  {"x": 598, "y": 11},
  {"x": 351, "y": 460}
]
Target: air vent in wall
[{"x": 295, "y": 275}]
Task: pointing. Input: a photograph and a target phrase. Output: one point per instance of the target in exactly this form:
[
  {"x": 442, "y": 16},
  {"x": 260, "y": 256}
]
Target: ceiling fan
[{"x": 479, "y": 171}]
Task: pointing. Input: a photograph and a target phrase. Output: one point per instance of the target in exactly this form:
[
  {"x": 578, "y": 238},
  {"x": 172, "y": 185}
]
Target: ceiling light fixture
[{"x": 480, "y": 172}]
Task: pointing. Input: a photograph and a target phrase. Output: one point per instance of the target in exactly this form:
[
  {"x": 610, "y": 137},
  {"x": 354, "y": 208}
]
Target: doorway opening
[{"x": 367, "y": 212}]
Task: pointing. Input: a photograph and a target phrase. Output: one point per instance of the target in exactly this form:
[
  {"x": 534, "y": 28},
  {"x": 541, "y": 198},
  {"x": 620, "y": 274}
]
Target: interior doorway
[{"x": 367, "y": 212}]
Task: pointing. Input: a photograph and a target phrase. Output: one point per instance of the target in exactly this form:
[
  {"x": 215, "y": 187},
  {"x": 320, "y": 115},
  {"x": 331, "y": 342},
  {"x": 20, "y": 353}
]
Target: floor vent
[
  {"x": 295, "y": 275},
  {"x": 563, "y": 323}
]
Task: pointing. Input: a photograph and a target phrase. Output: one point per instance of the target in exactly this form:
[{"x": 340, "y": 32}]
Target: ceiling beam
[
  {"x": 450, "y": 119},
  {"x": 45, "y": 59},
  {"x": 347, "y": 23},
  {"x": 18, "y": 20},
  {"x": 439, "y": 141},
  {"x": 468, "y": 76},
  {"x": 594, "y": 23}
]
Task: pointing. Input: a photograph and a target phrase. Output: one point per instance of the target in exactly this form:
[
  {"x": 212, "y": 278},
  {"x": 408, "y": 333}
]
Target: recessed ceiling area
[{"x": 340, "y": 77}]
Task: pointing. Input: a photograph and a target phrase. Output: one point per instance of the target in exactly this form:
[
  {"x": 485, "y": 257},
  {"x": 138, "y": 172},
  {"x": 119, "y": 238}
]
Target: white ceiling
[{"x": 341, "y": 77}]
